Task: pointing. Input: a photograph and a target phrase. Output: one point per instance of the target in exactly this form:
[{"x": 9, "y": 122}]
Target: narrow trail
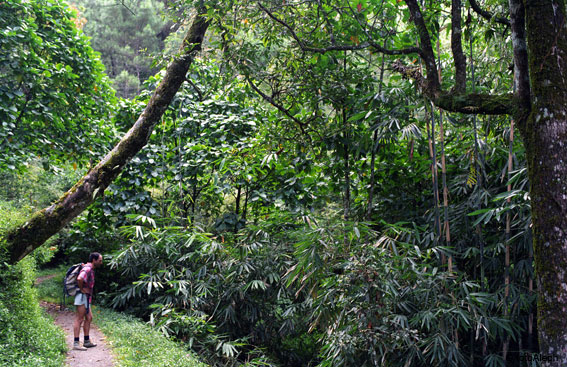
[{"x": 99, "y": 356}]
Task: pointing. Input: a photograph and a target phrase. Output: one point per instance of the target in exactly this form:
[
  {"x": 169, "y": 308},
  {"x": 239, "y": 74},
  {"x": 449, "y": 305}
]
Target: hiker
[{"x": 83, "y": 298}]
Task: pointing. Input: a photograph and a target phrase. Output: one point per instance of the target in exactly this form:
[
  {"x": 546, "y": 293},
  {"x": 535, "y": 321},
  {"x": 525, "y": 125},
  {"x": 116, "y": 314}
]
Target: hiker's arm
[{"x": 80, "y": 283}]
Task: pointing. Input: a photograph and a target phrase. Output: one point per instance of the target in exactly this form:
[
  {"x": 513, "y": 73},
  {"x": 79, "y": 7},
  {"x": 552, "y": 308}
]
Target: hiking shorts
[{"x": 81, "y": 299}]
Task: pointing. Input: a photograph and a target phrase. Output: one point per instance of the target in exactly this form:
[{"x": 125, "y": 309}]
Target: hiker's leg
[
  {"x": 87, "y": 324},
  {"x": 81, "y": 311}
]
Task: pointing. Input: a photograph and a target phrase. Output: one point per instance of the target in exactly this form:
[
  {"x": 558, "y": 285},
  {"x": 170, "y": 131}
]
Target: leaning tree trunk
[
  {"x": 545, "y": 136},
  {"x": 47, "y": 222}
]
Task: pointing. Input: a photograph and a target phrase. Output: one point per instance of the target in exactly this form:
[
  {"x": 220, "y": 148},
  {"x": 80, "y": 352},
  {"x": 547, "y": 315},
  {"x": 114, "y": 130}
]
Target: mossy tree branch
[
  {"x": 470, "y": 103},
  {"x": 459, "y": 100},
  {"x": 45, "y": 223},
  {"x": 476, "y": 103}
]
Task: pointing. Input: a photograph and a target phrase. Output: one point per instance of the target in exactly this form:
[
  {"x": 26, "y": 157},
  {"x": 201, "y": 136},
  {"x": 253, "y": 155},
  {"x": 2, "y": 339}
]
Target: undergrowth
[
  {"x": 51, "y": 287},
  {"x": 137, "y": 344},
  {"x": 28, "y": 336}
]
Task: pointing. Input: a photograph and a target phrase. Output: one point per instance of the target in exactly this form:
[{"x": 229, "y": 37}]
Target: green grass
[
  {"x": 51, "y": 289},
  {"x": 136, "y": 343},
  {"x": 133, "y": 342}
]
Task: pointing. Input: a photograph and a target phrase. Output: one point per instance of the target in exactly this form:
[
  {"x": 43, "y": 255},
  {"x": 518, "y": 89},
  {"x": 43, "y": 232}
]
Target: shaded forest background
[{"x": 290, "y": 209}]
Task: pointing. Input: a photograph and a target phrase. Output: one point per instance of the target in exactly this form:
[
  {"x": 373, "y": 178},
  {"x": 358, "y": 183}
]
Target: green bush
[
  {"x": 27, "y": 336},
  {"x": 224, "y": 297}
]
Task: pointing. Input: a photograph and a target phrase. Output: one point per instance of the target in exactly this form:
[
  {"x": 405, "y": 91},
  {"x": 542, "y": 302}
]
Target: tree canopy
[{"x": 55, "y": 96}]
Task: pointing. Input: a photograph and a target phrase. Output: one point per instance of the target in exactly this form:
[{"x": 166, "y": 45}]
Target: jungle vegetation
[{"x": 304, "y": 183}]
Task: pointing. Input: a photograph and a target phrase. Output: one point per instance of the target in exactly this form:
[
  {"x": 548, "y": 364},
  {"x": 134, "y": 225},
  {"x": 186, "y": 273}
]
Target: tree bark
[
  {"x": 45, "y": 223},
  {"x": 539, "y": 39},
  {"x": 545, "y": 137},
  {"x": 432, "y": 86},
  {"x": 457, "y": 47}
]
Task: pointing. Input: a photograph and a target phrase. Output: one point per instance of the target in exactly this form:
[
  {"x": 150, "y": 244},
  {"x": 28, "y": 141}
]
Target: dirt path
[
  {"x": 45, "y": 277},
  {"x": 99, "y": 356}
]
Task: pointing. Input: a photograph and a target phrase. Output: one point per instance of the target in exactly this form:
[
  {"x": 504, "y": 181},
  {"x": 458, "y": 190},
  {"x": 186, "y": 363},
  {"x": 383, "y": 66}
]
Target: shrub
[{"x": 27, "y": 336}]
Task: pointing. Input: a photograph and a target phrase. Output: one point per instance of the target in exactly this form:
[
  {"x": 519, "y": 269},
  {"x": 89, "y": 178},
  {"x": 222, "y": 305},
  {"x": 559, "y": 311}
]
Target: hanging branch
[
  {"x": 507, "y": 238},
  {"x": 374, "y": 147},
  {"x": 461, "y": 69},
  {"x": 434, "y": 176},
  {"x": 446, "y": 226},
  {"x": 478, "y": 230},
  {"x": 346, "y": 201},
  {"x": 201, "y": 97},
  {"x": 487, "y": 15},
  {"x": 281, "y": 108}
]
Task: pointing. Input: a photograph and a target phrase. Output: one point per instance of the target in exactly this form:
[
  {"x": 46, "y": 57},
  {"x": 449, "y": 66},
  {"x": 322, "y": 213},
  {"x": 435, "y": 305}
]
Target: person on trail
[{"x": 85, "y": 280}]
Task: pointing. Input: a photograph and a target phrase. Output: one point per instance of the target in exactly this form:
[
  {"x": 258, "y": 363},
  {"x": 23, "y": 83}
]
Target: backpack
[{"x": 70, "y": 285}]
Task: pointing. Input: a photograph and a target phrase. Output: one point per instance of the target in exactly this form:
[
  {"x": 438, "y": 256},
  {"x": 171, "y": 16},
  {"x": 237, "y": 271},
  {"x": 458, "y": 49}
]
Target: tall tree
[
  {"x": 539, "y": 44},
  {"x": 127, "y": 34}
]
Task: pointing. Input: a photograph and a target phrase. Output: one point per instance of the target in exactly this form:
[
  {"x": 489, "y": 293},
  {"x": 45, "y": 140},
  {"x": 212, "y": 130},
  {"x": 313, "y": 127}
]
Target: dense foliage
[
  {"x": 54, "y": 95},
  {"x": 27, "y": 336},
  {"x": 306, "y": 207},
  {"x": 236, "y": 242}
]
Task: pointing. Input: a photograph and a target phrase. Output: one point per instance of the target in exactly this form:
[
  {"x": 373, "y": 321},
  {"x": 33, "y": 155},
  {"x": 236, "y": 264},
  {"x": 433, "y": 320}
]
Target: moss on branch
[{"x": 473, "y": 103}]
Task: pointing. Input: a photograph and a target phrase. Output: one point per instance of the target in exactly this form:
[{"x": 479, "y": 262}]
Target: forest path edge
[{"x": 99, "y": 356}]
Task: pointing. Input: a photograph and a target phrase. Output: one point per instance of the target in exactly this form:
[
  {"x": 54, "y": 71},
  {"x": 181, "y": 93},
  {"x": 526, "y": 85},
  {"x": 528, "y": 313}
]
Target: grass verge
[{"x": 136, "y": 343}]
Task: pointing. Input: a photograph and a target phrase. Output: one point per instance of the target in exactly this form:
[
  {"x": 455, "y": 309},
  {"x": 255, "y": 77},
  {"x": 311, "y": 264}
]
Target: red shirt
[{"x": 87, "y": 274}]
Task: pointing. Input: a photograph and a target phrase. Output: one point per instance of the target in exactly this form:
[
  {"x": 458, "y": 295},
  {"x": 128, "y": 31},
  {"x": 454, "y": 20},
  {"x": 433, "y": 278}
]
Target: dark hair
[{"x": 94, "y": 256}]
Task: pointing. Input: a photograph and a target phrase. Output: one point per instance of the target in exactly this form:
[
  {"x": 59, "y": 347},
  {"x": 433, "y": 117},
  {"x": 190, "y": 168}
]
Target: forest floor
[{"x": 99, "y": 356}]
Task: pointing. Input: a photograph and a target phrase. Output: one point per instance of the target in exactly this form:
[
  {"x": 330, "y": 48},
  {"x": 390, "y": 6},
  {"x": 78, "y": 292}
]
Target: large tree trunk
[
  {"x": 45, "y": 223},
  {"x": 545, "y": 136},
  {"x": 539, "y": 106}
]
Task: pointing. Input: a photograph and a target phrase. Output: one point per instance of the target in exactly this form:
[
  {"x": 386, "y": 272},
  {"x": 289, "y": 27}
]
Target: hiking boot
[
  {"x": 77, "y": 346},
  {"x": 89, "y": 344}
]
